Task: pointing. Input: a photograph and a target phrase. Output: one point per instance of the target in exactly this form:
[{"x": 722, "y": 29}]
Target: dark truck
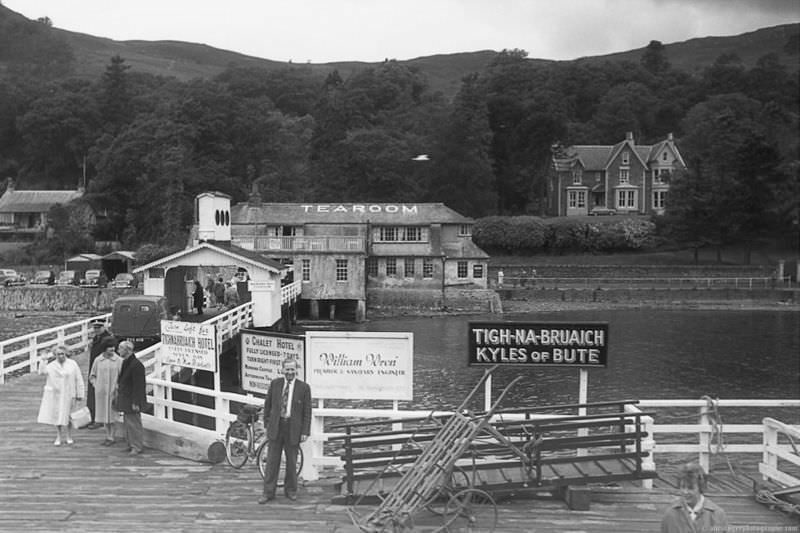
[{"x": 138, "y": 319}]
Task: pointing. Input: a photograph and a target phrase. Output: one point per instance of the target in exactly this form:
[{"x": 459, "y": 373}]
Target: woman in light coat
[
  {"x": 103, "y": 377},
  {"x": 62, "y": 390}
]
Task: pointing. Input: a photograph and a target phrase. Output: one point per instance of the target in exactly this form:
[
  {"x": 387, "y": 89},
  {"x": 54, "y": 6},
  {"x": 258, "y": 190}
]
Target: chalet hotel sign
[
  {"x": 539, "y": 344},
  {"x": 398, "y": 209}
]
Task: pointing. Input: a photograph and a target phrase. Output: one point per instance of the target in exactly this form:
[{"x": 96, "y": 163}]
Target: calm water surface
[{"x": 652, "y": 354}]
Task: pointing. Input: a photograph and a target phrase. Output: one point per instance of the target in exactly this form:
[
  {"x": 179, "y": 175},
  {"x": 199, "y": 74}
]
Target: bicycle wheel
[
  {"x": 238, "y": 443},
  {"x": 261, "y": 461},
  {"x": 471, "y": 510},
  {"x": 458, "y": 480}
]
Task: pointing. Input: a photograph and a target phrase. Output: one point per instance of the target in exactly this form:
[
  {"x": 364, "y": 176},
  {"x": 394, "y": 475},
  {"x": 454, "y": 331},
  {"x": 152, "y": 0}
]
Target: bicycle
[{"x": 246, "y": 439}]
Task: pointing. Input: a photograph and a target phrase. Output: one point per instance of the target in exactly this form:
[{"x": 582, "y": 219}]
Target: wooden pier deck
[{"x": 88, "y": 487}]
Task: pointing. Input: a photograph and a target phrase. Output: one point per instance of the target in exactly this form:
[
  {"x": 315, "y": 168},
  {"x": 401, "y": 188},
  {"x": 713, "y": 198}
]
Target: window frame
[
  {"x": 477, "y": 271},
  {"x": 462, "y": 269},
  {"x": 342, "y": 270},
  {"x": 408, "y": 267},
  {"x": 427, "y": 268},
  {"x": 393, "y": 262},
  {"x": 305, "y": 270}
]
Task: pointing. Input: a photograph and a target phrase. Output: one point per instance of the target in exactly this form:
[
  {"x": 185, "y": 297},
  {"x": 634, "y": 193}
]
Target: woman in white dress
[
  {"x": 103, "y": 376},
  {"x": 63, "y": 389}
]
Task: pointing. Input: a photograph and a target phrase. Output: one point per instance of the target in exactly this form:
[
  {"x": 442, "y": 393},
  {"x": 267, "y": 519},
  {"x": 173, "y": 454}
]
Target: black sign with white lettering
[{"x": 540, "y": 344}]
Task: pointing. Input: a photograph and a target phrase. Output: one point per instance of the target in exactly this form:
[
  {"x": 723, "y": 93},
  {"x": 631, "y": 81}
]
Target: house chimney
[
  {"x": 629, "y": 136},
  {"x": 254, "y": 200},
  {"x": 10, "y": 185},
  {"x": 669, "y": 137}
]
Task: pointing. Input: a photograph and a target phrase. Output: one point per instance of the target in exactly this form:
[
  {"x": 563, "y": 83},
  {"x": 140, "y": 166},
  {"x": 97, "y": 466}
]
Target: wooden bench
[{"x": 563, "y": 452}]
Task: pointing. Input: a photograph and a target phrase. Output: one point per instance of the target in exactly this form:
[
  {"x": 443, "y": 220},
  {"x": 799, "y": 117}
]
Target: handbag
[{"x": 81, "y": 417}]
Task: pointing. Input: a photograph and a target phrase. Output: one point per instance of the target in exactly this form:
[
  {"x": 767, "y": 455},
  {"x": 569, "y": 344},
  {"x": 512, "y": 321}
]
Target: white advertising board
[
  {"x": 262, "y": 355},
  {"x": 189, "y": 344},
  {"x": 360, "y": 366}
]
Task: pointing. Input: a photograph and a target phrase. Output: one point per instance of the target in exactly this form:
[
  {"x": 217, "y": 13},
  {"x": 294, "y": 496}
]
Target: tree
[
  {"x": 654, "y": 58},
  {"x": 116, "y": 98}
]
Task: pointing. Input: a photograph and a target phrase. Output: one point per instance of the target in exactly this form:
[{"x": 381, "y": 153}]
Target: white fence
[{"x": 507, "y": 282}]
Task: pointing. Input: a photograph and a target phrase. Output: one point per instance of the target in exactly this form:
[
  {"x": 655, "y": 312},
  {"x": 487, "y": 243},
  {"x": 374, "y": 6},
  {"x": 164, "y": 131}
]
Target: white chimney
[{"x": 213, "y": 216}]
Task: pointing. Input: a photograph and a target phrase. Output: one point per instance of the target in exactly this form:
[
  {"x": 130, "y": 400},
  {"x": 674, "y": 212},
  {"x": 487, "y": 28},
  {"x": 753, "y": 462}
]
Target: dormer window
[
  {"x": 664, "y": 156},
  {"x": 577, "y": 176},
  {"x": 624, "y": 176},
  {"x": 626, "y": 158}
]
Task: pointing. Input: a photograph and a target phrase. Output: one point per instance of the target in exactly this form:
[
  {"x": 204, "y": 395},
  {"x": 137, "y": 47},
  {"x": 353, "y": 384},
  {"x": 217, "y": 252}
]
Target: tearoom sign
[
  {"x": 360, "y": 365},
  {"x": 538, "y": 344}
]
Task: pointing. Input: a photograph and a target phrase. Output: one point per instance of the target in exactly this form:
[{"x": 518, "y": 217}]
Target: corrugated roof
[
  {"x": 354, "y": 213},
  {"x": 463, "y": 249},
  {"x": 230, "y": 250},
  {"x": 35, "y": 201}
]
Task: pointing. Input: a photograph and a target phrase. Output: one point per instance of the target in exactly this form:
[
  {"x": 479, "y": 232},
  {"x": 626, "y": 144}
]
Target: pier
[{"x": 88, "y": 487}]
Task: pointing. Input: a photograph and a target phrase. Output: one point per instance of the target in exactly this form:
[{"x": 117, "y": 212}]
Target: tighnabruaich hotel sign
[{"x": 538, "y": 344}]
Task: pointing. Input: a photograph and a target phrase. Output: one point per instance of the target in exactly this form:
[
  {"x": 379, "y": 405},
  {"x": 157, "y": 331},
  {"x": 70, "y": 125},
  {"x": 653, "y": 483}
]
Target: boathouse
[{"x": 355, "y": 255}]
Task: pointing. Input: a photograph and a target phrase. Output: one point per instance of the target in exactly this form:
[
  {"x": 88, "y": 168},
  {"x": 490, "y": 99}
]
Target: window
[
  {"x": 409, "y": 267},
  {"x": 372, "y": 266},
  {"x": 477, "y": 271},
  {"x": 576, "y": 198},
  {"x": 664, "y": 156},
  {"x": 577, "y": 176},
  {"x": 391, "y": 266},
  {"x": 626, "y": 158},
  {"x": 400, "y": 234},
  {"x": 341, "y": 270},
  {"x": 662, "y": 175},
  {"x": 306, "y": 269},
  {"x": 155, "y": 272},
  {"x": 462, "y": 269},
  {"x": 626, "y": 199},
  {"x": 427, "y": 267},
  {"x": 624, "y": 175},
  {"x": 465, "y": 230},
  {"x": 659, "y": 199}
]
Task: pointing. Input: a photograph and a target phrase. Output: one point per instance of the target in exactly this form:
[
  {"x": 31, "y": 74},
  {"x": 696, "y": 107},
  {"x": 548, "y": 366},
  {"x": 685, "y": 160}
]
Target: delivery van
[{"x": 138, "y": 319}]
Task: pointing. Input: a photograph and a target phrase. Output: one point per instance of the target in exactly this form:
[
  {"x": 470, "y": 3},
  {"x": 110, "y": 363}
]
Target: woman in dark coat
[{"x": 199, "y": 296}]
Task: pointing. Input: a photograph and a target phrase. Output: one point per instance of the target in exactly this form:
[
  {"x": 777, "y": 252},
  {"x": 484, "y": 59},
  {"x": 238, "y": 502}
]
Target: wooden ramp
[{"x": 88, "y": 487}]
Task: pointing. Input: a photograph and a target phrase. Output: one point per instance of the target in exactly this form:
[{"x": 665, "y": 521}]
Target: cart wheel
[
  {"x": 438, "y": 503},
  {"x": 238, "y": 441},
  {"x": 470, "y": 510}
]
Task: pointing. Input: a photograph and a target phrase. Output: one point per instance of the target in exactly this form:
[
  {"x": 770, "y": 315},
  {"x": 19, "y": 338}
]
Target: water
[{"x": 652, "y": 354}]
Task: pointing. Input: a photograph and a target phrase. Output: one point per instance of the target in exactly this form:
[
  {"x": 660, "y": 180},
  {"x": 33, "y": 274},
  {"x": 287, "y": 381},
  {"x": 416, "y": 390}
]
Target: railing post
[
  {"x": 2, "y": 364},
  {"x": 769, "y": 442},
  {"x": 705, "y": 438},
  {"x": 348, "y": 462}
]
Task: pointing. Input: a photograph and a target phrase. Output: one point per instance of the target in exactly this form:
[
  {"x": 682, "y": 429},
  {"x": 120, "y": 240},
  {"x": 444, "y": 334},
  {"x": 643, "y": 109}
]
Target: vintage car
[
  {"x": 10, "y": 277},
  {"x": 125, "y": 281},
  {"x": 94, "y": 278},
  {"x": 138, "y": 319},
  {"x": 43, "y": 277},
  {"x": 68, "y": 277}
]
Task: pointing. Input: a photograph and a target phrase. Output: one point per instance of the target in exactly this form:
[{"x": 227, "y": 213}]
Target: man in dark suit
[
  {"x": 96, "y": 347},
  {"x": 287, "y": 417},
  {"x": 131, "y": 397}
]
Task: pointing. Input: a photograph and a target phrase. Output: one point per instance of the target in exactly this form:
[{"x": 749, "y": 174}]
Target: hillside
[{"x": 184, "y": 61}]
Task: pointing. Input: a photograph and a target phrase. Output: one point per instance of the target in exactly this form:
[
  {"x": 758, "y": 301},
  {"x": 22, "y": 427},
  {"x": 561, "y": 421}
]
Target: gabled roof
[
  {"x": 84, "y": 257},
  {"x": 340, "y": 213},
  {"x": 14, "y": 201},
  {"x": 463, "y": 249},
  {"x": 224, "y": 248},
  {"x": 120, "y": 256}
]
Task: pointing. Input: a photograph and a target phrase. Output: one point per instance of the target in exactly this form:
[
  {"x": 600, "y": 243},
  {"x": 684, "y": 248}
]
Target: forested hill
[{"x": 67, "y": 53}]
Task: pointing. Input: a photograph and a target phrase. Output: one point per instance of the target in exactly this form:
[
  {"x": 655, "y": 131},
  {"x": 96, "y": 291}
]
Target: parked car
[
  {"x": 68, "y": 277},
  {"x": 125, "y": 281},
  {"x": 44, "y": 277},
  {"x": 94, "y": 278},
  {"x": 138, "y": 319},
  {"x": 10, "y": 277}
]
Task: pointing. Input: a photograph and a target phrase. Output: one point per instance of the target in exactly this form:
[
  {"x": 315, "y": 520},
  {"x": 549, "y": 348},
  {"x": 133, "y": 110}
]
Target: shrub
[{"x": 510, "y": 234}]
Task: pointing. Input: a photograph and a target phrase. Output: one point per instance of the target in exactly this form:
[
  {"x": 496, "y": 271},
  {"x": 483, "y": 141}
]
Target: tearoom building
[{"x": 355, "y": 257}]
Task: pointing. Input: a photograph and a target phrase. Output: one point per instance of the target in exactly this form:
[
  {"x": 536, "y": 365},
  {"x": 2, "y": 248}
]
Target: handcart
[{"x": 428, "y": 482}]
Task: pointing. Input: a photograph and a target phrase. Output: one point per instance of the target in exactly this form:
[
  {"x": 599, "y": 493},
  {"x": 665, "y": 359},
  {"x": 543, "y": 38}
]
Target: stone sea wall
[{"x": 53, "y": 298}]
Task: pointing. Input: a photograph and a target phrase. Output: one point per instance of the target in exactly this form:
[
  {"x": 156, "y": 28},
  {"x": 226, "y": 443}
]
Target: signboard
[
  {"x": 262, "y": 355},
  {"x": 258, "y": 285},
  {"x": 360, "y": 366},
  {"x": 538, "y": 344},
  {"x": 189, "y": 344}
]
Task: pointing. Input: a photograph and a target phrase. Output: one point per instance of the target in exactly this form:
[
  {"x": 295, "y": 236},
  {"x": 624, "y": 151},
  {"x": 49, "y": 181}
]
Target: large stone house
[
  {"x": 620, "y": 178},
  {"x": 351, "y": 253}
]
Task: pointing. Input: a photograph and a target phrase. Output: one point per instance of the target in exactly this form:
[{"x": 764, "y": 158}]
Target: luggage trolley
[{"x": 427, "y": 484}]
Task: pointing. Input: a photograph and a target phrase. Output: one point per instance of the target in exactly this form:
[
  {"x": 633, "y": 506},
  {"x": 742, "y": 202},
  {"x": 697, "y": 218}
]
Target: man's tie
[{"x": 285, "y": 400}]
